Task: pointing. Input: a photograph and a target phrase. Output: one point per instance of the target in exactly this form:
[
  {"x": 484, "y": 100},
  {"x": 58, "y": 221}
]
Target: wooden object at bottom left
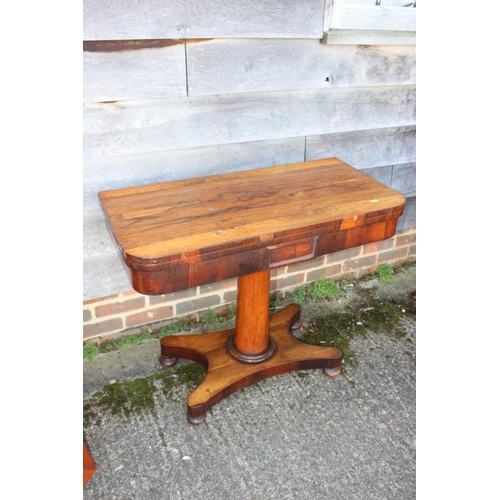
[{"x": 89, "y": 466}]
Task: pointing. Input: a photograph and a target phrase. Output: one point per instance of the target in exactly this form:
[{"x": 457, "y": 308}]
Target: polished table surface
[
  {"x": 180, "y": 234},
  {"x": 185, "y": 233}
]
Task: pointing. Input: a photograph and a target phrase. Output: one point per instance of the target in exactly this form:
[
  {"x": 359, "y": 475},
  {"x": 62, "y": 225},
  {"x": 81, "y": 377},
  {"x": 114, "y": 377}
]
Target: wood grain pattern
[
  {"x": 232, "y": 66},
  {"x": 252, "y": 313},
  {"x": 138, "y": 69},
  {"x": 145, "y": 126},
  {"x": 178, "y": 234},
  {"x": 129, "y": 19},
  {"x": 118, "y": 172},
  {"x": 368, "y": 148},
  {"x": 190, "y": 232},
  {"x": 225, "y": 375}
]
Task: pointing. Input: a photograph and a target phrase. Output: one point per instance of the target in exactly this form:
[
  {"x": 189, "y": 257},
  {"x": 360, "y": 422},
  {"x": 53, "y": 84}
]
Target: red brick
[
  {"x": 305, "y": 266},
  {"x": 120, "y": 307},
  {"x": 398, "y": 254},
  {"x": 285, "y": 282},
  {"x": 324, "y": 272},
  {"x": 280, "y": 271},
  {"x": 87, "y": 315},
  {"x": 342, "y": 255},
  {"x": 170, "y": 297},
  {"x": 230, "y": 296},
  {"x": 197, "y": 304},
  {"x": 378, "y": 246},
  {"x": 218, "y": 286},
  {"x": 406, "y": 239},
  {"x": 102, "y": 327},
  {"x": 144, "y": 317},
  {"x": 358, "y": 264},
  {"x": 359, "y": 273}
]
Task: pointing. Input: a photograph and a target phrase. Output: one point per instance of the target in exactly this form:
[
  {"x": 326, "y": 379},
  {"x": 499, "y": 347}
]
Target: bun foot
[
  {"x": 332, "y": 372},
  {"x": 196, "y": 420},
  {"x": 168, "y": 362}
]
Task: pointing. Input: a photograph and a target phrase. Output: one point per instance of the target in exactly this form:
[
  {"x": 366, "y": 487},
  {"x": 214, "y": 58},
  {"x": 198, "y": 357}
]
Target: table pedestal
[{"x": 260, "y": 346}]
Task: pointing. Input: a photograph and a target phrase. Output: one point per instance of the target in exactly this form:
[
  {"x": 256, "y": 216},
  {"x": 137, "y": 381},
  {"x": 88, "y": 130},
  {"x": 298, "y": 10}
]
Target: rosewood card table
[{"x": 185, "y": 233}]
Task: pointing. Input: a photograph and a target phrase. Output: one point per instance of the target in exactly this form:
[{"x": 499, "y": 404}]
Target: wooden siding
[
  {"x": 366, "y": 148},
  {"x": 133, "y": 70},
  {"x": 180, "y": 89},
  {"x": 130, "y": 19},
  {"x": 116, "y": 172},
  {"x": 143, "y": 69},
  {"x": 144, "y": 126},
  {"x": 230, "y": 66}
]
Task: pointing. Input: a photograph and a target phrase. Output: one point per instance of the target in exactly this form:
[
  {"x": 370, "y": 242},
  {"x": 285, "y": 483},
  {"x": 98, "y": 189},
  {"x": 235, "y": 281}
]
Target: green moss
[
  {"x": 190, "y": 374},
  {"x": 338, "y": 328},
  {"x": 127, "y": 341},
  {"x": 125, "y": 397},
  {"x": 128, "y": 397}
]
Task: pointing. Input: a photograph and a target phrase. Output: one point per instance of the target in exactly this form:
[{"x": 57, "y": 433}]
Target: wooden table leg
[{"x": 260, "y": 346}]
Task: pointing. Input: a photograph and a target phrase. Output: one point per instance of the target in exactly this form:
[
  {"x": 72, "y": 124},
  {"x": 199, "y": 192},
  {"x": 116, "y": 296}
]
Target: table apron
[{"x": 172, "y": 277}]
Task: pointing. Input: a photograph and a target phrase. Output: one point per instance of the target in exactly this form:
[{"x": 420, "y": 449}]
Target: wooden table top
[{"x": 172, "y": 222}]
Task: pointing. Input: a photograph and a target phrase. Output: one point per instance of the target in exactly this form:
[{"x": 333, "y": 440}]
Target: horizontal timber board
[
  {"x": 401, "y": 19},
  {"x": 404, "y": 179},
  {"x": 121, "y": 70},
  {"x": 366, "y": 148},
  {"x": 143, "y": 126},
  {"x": 133, "y": 170},
  {"x": 234, "y": 66},
  {"x": 369, "y": 37},
  {"x": 104, "y": 275},
  {"x": 129, "y": 19}
]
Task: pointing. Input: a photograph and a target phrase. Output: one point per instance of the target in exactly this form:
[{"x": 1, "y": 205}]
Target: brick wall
[{"x": 131, "y": 313}]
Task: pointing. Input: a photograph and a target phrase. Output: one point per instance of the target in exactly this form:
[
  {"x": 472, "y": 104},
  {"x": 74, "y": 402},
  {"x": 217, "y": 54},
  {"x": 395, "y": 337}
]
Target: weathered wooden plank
[
  {"x": 139, "y": 69},
  {"x": 129, "y": 19},
  {"x": 144, "y": 126},
  {"x": 376, "y": 19},
  {"x": 380, "y": 174},
  {"x": 116, "y": 172},
  {"x": 404, "y": 179},
  {"x": 369, "y": 37},
  {"x": 366, "y": 148},
  {"x": 409, "y": 217},
  {"x": 103, "y": 271},
  {"x": 232, "y": 66},
  {"x": 401, "y": 178},
  {"x": 104, "y": 275}
]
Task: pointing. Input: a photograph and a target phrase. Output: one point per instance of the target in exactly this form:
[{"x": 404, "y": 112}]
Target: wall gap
[{"x": 186, "y": 66}]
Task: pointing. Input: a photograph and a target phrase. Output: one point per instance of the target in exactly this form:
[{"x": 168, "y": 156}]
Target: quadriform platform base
[{"x": 181, "y": 234}]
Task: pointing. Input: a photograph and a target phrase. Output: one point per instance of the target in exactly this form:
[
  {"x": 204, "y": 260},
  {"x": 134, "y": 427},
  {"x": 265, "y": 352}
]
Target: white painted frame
[{"x": 377, "y": 17}]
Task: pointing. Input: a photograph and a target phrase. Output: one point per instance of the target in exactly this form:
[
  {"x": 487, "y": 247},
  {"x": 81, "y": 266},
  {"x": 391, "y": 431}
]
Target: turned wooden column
[{"x": 251, "y": 342}]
